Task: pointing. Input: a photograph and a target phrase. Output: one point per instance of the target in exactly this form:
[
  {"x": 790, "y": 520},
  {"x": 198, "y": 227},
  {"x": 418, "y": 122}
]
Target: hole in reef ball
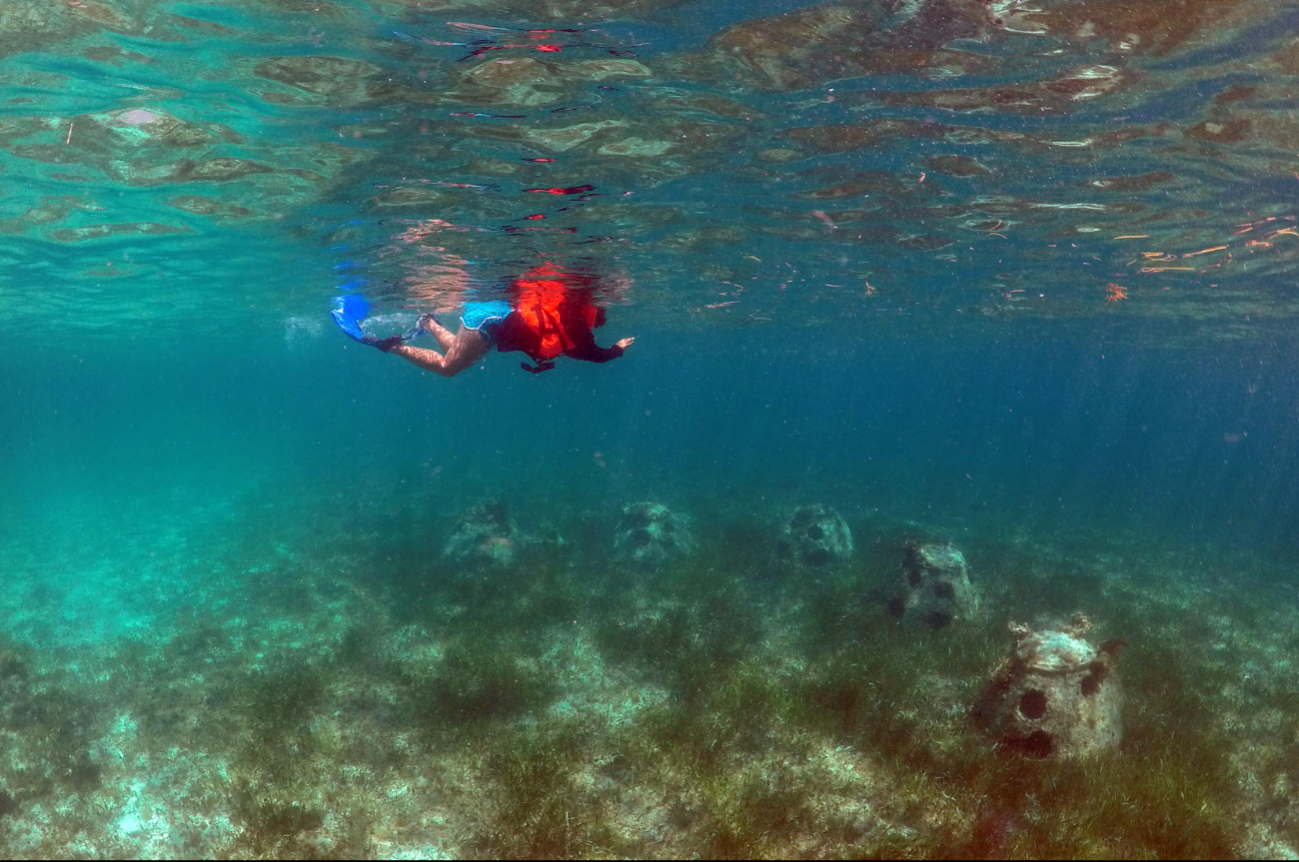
[
  {"x": 943, "y": 590},
  {"x": 640, "y": 538},
  {"x": 897, "y": 607},
  {"x": 1032, "y": 705},
  {"x": 819, "y": 557},
  {"x": 782, "y": 550},
  {"x": 913, "y": 578},
  {"x": 815, "y": 533},
  {"x": 1090, "y": 685}
]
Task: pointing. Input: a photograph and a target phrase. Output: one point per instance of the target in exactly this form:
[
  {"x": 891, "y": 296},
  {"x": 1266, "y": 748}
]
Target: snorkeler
[{"x": 544, "y": 319}]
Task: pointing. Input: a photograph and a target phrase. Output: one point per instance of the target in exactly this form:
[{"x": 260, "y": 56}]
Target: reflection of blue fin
[{"x": 348, "y": 313}]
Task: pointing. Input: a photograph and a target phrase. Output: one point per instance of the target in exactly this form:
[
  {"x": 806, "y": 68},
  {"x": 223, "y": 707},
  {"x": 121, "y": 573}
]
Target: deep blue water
[{"x": 1008, "y": 433}]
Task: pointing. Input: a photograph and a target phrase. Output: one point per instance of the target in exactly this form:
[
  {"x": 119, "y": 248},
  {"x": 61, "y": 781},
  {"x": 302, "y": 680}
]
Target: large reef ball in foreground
[{"x": 1056, "y": 695}]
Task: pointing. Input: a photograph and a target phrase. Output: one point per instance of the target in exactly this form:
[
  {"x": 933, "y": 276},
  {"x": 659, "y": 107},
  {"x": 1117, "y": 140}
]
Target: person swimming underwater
[{"x": 544, "y": 318}]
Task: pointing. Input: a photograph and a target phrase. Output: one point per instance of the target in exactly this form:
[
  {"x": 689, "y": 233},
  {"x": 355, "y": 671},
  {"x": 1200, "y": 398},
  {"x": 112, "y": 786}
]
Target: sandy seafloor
[{"x": 280, "y": 675}]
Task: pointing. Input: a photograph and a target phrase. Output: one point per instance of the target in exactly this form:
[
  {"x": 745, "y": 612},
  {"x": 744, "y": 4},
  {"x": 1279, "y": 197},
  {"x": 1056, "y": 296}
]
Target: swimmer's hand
[{"x": 625, "y": 343}]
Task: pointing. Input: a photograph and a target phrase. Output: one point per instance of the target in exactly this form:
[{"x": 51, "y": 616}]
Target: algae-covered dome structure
[
  {"x": 1056, "y": 695},
  {"x": 814, "y": 537},
  {"x": 483, "y": 533},
  {"x": 934, "y": 587},
  {"x": 650, "y": 534}
]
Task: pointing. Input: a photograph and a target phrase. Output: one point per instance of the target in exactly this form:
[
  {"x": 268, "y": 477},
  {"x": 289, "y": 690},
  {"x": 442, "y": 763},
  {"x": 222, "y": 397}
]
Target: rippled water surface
[
  {"x": 1005, "y": 282},
  {"x": 1126, "y": 162}
]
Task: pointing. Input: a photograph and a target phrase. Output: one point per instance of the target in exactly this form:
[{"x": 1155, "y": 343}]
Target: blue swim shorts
[{"x": 485, "y": 316}]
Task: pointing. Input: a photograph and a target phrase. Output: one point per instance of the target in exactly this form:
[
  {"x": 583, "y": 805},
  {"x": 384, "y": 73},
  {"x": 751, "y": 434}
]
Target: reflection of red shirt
[{"x": 551, "y": 319}]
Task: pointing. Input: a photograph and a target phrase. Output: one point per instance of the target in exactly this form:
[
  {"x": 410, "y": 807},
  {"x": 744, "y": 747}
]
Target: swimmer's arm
[{"x": 594, "y": 353}]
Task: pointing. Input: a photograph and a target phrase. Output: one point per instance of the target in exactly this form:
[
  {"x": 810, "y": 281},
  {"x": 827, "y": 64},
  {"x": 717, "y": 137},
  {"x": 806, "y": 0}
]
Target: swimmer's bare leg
[
  {"x": 444, "y": 336},
  {"x": 467, "y": 347}
]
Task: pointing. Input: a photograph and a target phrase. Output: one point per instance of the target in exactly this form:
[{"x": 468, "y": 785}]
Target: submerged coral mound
[
  {"x": 650, "y": 534},
  {"x": 483, "y": 533},
  {"x": 814, "y": 537},
  {"x": 1056, "y": 695},
  {"x": 935, "y": 586}
]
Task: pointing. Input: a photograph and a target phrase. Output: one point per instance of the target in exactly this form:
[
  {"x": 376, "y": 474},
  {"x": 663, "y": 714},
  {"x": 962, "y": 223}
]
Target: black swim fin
[{"x": 384, "y": 344}]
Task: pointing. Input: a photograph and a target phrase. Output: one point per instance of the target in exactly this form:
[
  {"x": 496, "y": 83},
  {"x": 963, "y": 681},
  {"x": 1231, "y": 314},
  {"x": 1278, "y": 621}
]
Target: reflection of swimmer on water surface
[{"x": 544, "y": 318}]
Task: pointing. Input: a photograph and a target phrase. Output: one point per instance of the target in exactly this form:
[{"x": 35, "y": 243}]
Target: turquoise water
[{"x": 1016, "y": 278}]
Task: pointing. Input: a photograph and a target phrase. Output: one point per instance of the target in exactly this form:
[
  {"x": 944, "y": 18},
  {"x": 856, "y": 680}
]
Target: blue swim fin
[
  {"x": 350, "y": 310},
  {"x": 348, "y": 313}
]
